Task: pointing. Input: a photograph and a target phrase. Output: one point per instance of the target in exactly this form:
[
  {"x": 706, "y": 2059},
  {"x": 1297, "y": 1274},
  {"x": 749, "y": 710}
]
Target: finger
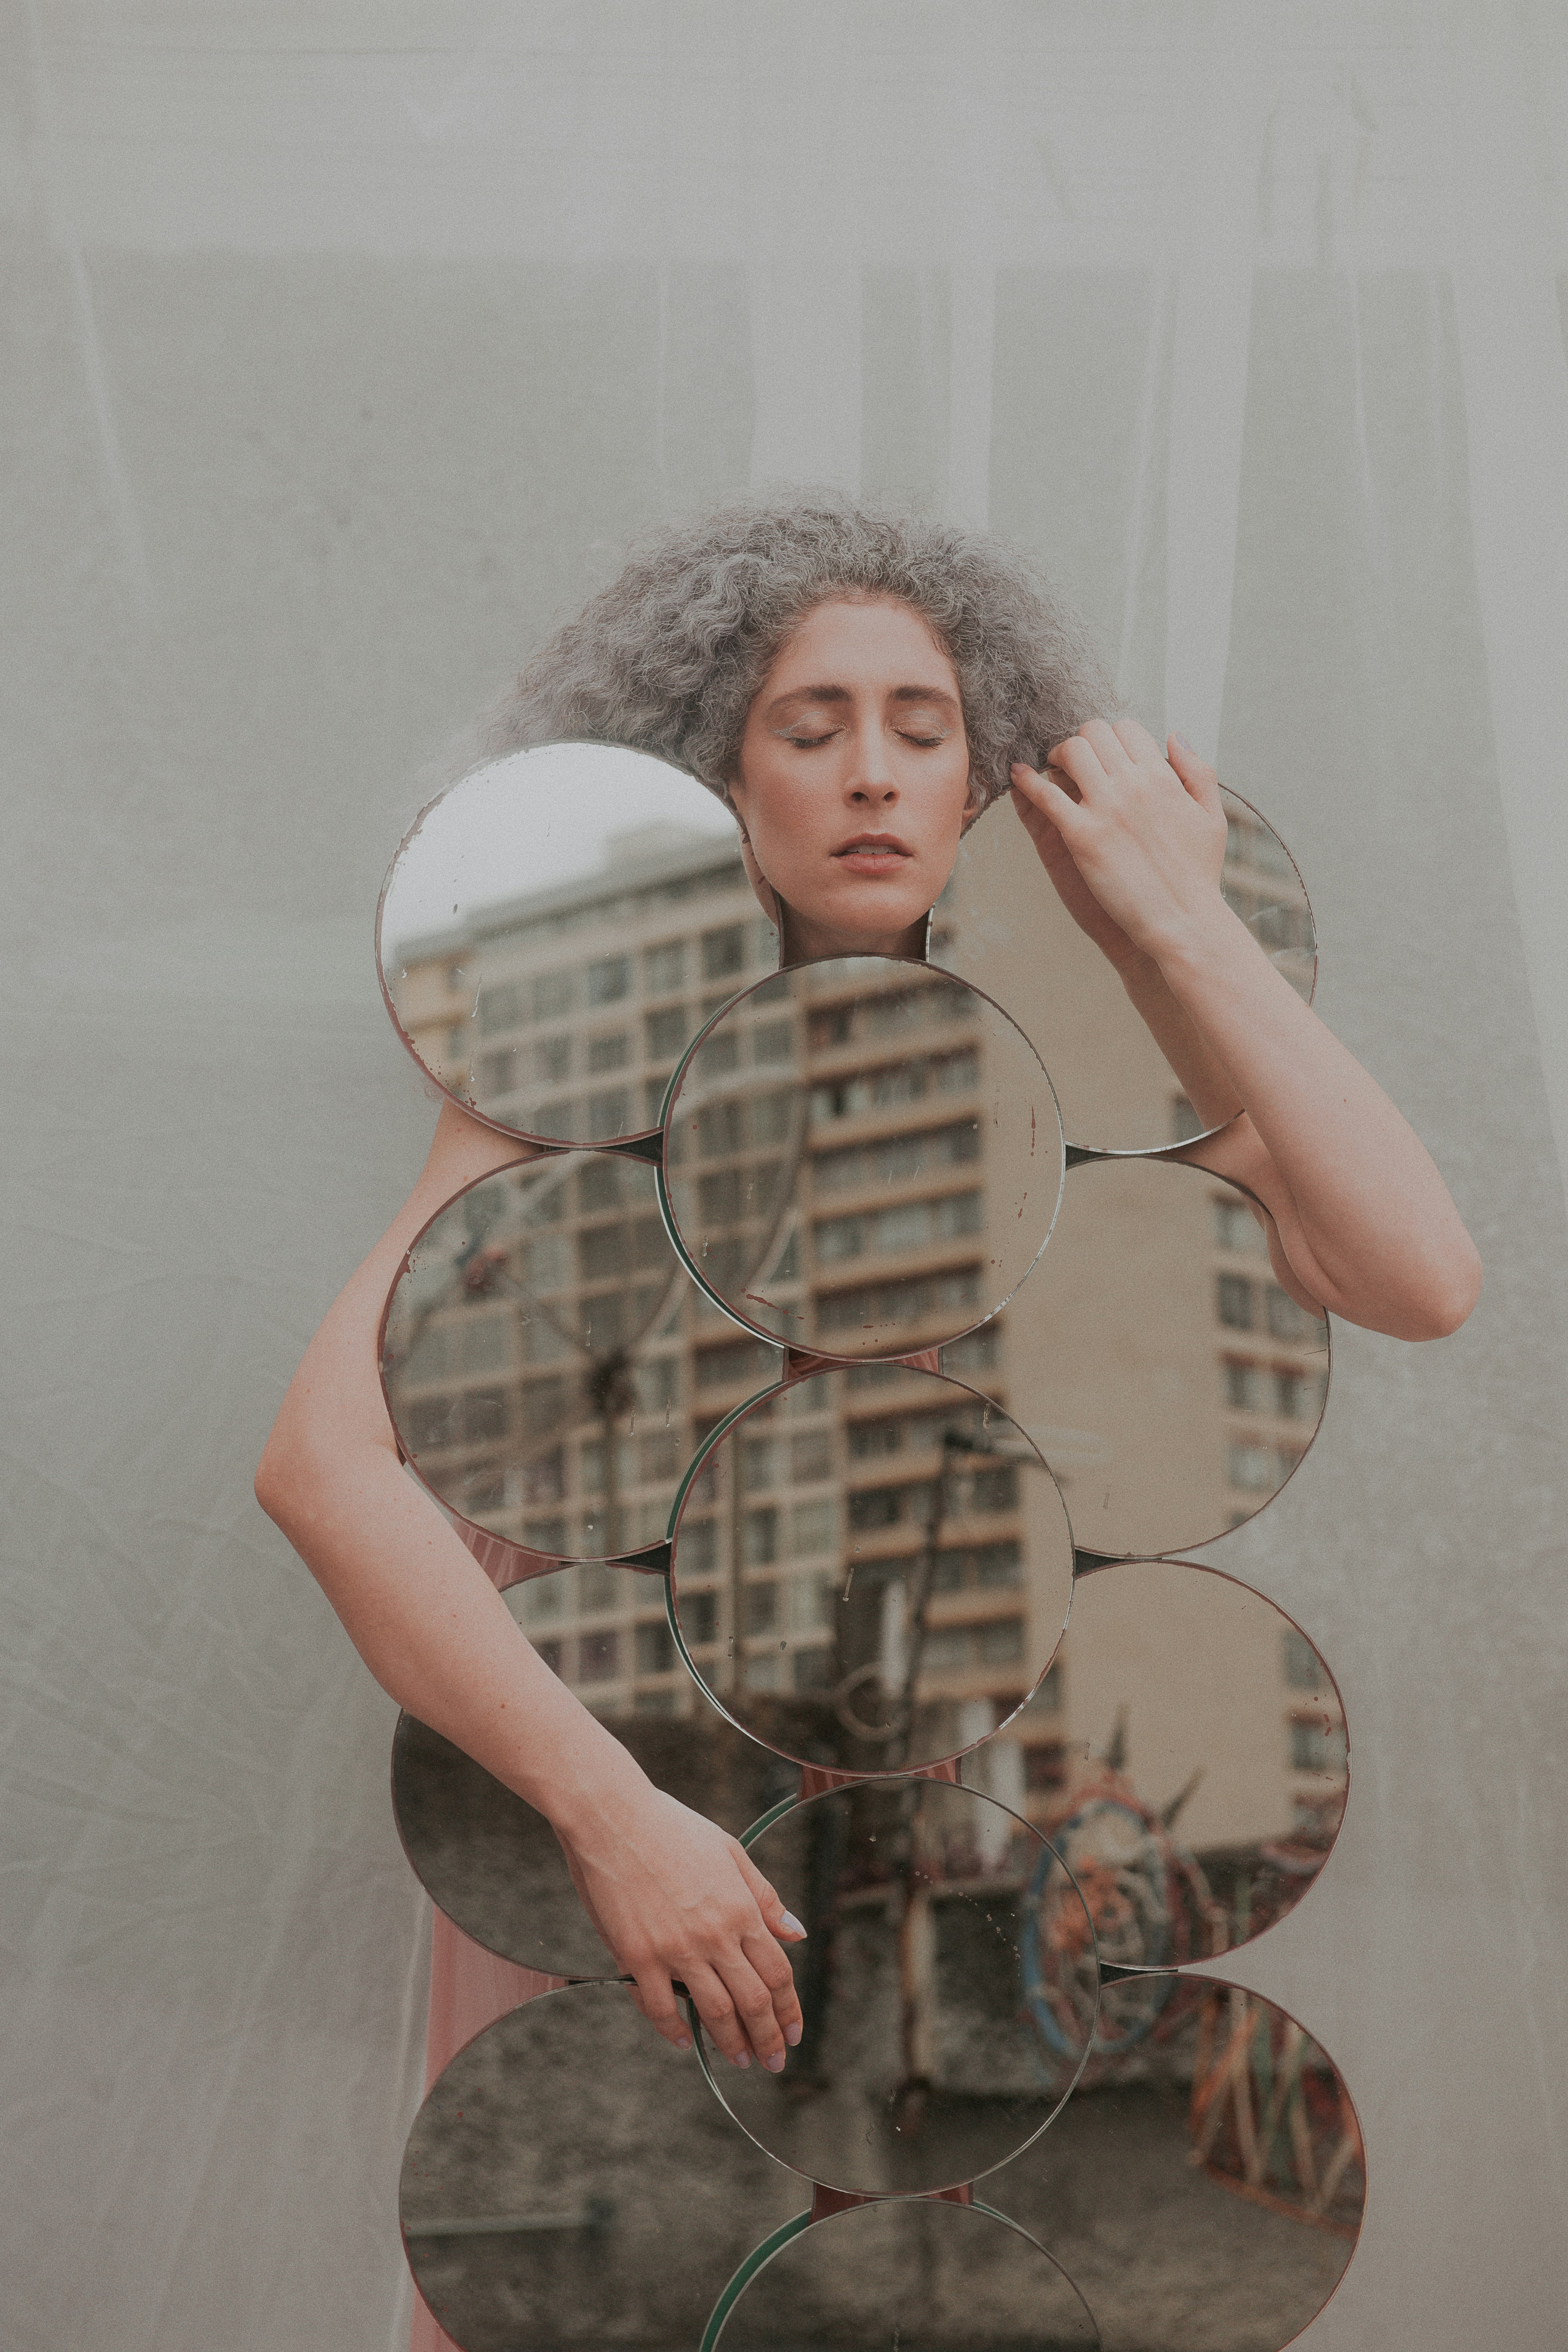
[
  {"x": 1039, "y": 795},
  {"x": 773, "y": 1967},
  {"x": 655, "y": 1997},
  {"x": 1201, "y": 781},
  {"x": 1104, "y": 741},
  {"x": 754, "y": 2000},
  {"x": 1137, "y": 742},
  {"x": 721, "y": 2019},
  {"x": 775, "y": 1918}
]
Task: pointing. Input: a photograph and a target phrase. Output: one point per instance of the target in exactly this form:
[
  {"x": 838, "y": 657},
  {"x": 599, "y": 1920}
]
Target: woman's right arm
[{"x": 671, "y": 1893}]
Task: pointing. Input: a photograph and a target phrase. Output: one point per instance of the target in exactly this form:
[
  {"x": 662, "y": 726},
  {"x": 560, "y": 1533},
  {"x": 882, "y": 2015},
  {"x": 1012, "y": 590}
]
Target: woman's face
[{"x": 853, "y": 781}]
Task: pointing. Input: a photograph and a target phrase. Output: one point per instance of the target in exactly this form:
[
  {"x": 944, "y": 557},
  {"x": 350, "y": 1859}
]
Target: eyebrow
[{"x": 837, "y": 694}]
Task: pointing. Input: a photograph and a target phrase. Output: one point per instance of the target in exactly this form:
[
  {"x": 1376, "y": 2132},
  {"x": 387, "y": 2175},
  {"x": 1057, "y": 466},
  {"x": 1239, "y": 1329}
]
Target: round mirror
[
  {"x": 1191, "y": 1769},
  {"x": 534, "y": 1358},
  {"x": 906, "y": 2274},
  {"x": 1168, "y": 1379},
  {"x": 918, "y": 2069},
  {"x": 1001, "y": 925},
  {"x": 490, "y": 1862},
  {"x": 1204, "y": 2186},
  {"x": 862, "y": 1158},
  {"x": 555, "y": 928},
  {"x": 569, "y": 2180},
  {"x": 872, "y": 1567}
]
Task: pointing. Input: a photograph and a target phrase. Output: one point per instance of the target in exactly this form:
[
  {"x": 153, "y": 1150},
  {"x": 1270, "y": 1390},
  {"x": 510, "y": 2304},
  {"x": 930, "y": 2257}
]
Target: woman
[{"x": 859, "y": 686}]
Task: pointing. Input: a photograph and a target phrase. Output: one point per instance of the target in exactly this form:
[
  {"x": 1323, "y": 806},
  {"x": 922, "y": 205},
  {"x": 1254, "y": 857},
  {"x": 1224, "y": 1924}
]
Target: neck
[{"x": 806, "y": 941}]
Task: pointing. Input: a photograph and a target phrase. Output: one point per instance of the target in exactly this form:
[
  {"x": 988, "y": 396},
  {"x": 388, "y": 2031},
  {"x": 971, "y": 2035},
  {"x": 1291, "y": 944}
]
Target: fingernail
[
  {"x": 792, "y": 2033},
  {"x": 792, "y": 1924},
  {"x": 1183, "y": 741},
  {"x": 775, "y": 2063},
  {"x": 684, "y": 2043},
  {"x": 742, "y": 2058}
]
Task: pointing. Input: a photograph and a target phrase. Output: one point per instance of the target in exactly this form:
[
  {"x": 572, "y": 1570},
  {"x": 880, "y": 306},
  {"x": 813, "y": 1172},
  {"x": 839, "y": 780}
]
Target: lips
[{"x": 873, "y": 853}]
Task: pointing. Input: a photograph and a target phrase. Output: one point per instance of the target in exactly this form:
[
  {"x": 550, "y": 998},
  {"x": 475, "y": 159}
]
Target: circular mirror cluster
[{"x": 828, "y": 1388}]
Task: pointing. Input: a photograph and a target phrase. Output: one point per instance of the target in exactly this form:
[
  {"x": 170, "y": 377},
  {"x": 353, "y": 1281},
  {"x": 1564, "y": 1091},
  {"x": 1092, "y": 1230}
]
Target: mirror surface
[
  {"x": 1168, "y": 1379},
  {"x": 909, "y": 2275},
  {"x": 1205, "y": 2189},
  {"x": 537, "y": 1358},
  {"x": 571, "y": 2179},
  {"x": 919, "y": 2069},
  {"x": 872, "y": 1567},
  {"x": 1191, "y": 1768},
  {"x": 493, "y": 1863},
  {"x": 1000, "y": 924},
  {"x": 556, "y": 927},
  {"x": 863, "y": 1157}
]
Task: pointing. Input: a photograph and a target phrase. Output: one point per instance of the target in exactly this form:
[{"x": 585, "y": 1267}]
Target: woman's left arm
[{"x": 1358, "y": 1220}]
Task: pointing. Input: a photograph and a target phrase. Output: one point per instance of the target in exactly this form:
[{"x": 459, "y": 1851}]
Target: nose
[{"x": 870, "y": 780}]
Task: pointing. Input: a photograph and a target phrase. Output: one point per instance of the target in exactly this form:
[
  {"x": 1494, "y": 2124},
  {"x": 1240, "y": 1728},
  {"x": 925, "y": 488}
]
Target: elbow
[
  {"x": 287, "y": 1479},
  {"x": 1447, "y": 1297},
  {"x": 275, "y": 1481}
]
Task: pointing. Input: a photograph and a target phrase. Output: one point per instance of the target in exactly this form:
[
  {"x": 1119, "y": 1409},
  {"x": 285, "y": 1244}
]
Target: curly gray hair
[{"x": 669, "y": 655}]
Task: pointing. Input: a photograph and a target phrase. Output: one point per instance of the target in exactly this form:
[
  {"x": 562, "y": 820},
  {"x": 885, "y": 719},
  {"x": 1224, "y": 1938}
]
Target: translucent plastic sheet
[{"x": 344, "y": 354}]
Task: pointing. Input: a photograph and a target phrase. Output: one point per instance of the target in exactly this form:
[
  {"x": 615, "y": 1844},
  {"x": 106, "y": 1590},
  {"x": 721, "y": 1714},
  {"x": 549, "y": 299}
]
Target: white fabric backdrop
[{"x": 345, "y": 345}]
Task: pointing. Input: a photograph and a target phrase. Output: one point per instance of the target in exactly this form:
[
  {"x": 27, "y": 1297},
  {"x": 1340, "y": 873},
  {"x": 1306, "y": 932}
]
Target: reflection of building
[{"x": 570, "y": 1011}]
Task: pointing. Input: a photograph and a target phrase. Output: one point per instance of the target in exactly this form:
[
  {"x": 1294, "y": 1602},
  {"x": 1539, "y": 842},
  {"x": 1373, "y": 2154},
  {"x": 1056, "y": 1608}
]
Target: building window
[
  {"x": 811, "y": 1527},
  {"x": 978, "y": 1352},
  {"x": 760, "y": 1537},
  {"x": 609, "y": 1113},
  {"x": 1298, "y": 1396},
  {"x": 810, "y": 1456},
  {"x": 879, "y": 1507},
  {"x": 758, "y": 1470},
  {"x": 552, "y": 1058},
  {"x": 1303, "y": 1668},
  {"x": 995, "y": 1490},
  {"x": 761, "y": 1601},
  {"x": 1233, "y": 1299},
  {"x": 664, "y": 968},
  {"x": 1288, "y": 1321},
  {"x": 1003, "y": 1643},
  {"x": 500, "y": 1008},
  {"x": 723, "y": 952},
  {"x": 655, "y": 1648},
  {"x": 666, "y": 1032},
  {"x": 1253, "y": 1468},
  {"x": 698, "y": 1550},
  {"x": 609, "y": 1053},
  {"x": 1244, "y": 1385},
  {"x": 1236, "y": 1228},
  {"x": 555, "y": 992},
  {"x": 609, "y": 979},
  {"x": 1045, "y": 1764},
  {"x": 660, "y": 1456},
  {"x": 598, "y": 1656},
  {"x": 812, "y": 1670},
  {"x": 1317, "y": 1744},
  {"x": 773, "y": 1041},
  {"x": 700, "y": 1617}
]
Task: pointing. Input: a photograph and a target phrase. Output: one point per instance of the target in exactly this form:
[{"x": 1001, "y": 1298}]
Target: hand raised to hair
[
  {"x": 1133, "y": 839},
  {"x": 673, "y": 1895}
]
